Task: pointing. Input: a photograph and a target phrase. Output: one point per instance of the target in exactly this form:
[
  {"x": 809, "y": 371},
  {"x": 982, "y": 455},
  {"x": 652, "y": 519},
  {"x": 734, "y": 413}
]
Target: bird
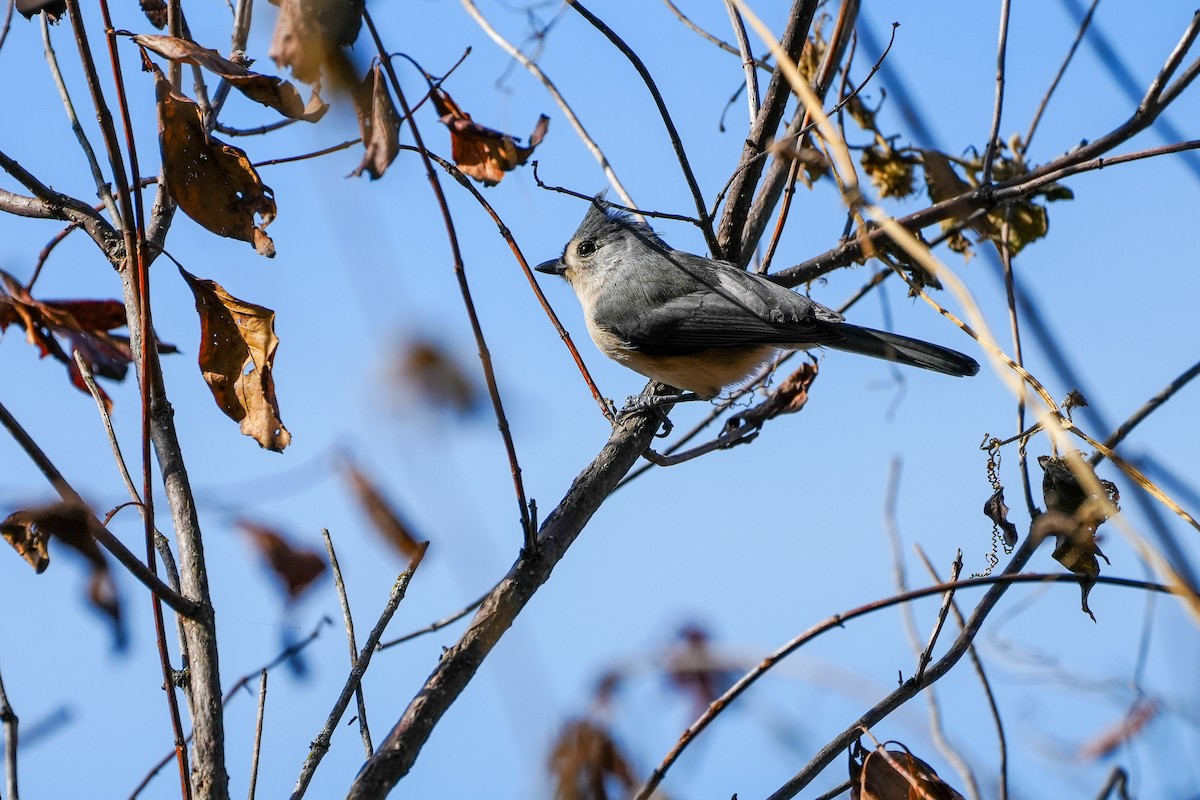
[{"x": 700, "y": 325}]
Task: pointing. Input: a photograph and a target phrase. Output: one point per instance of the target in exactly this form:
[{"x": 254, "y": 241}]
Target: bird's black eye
[{"x": 586, "y": 247}]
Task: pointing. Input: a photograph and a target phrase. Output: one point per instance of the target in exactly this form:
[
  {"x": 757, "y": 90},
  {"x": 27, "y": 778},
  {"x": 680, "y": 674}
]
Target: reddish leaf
[
  {"x": 383, "y": 515},
  {"x": 481, "y": 152},
  {"x": 237, "y": 353},
  {"x": 296, "y": 567},
  {"x": 84, "y": 324},
  {"x": 378, "y": 122},
  {"x": 213, "y": 182},
  {"x": 266, "y": 89}
]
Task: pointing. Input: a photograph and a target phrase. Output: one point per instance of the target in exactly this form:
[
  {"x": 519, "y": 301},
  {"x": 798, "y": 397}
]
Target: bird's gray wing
[{"x": 733, "y": 309}]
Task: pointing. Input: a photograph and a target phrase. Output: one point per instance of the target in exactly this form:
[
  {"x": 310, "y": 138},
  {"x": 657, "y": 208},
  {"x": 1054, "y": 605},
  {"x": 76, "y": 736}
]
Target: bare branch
[
  {"x": 989, "y": 154},
  {"x": 9, "y": 720},
  {"x": 457, "y": 665},
  {"x": 748, "y": 66},
  {"x": 258, "y": 729},
  {"x": 672, "y": 132},
  {"x": 348, "y": 619},
  {"x": 320, "y": 745}
]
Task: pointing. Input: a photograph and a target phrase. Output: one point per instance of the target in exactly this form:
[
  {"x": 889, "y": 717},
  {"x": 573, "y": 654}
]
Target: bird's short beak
[{"x": 552, "y": 267}]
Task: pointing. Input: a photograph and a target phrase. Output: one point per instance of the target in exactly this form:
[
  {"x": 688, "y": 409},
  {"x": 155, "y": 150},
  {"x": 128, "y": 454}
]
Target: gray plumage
[{"x": 700, "y": 324}]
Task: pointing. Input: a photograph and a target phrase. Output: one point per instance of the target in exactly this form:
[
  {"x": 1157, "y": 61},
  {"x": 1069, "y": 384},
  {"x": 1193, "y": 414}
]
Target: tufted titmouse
[{"x": 698, "y": 324}]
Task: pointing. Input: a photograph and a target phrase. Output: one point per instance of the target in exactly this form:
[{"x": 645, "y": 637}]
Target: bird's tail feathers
[{"x": 904, "y": 350}]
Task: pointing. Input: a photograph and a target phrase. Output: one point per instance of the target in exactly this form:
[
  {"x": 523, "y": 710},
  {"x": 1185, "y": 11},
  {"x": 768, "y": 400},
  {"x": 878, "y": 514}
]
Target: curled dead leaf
[
  {"x": 295, "y": 567},
  {"x": 378, "y": 122},
  {"x": 213, "y": 182},
  {"x": 584, "y": 760},
  {"x": 86, "y": 325},
  {"x": 310, "y": 34},
  {"x": 237, "y": 356},
  {"x": 383, "y": 515},
  {"x": 789, "y": 397},
  {"x": 29, "y": 532},
  {"x": 996, "y": 510},
  {"x": 893, "y": 173},
  {"x": 481, "y": 152},
  {"x": 54, "y": 8},
  {"x": 1078, "y": 514},
  {"x": 269, "y": 90},
  {"x": 894, "y": 775}
]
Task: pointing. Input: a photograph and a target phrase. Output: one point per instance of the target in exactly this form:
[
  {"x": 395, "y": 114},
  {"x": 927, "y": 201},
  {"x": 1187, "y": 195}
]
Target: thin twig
[
  {"x": 998, "y": 583},
  {"x": 721, "y": 43},
  {"x": 102, "y": 189},
  {"x": 1010, "y": 290},
  {"x": 973, "y": 654},
  {"x": 9, "y": 719},
  {"x": 344, "y": 600},
  {"x": 1146, "y": 410},
  {"x": 8, "y": 12},
  {"x": 1062, "y": 70},
  {"x": 112, "y": 544},
  {"x": 457, "y": 174},
  {"x": 320, "y": 744},
  {"x": 705, "y": 222},
  {"x": 460, "y": 274},
  {"x": 258, "y": 729},
  {"x": 241, "y": 683},
  {"x": 840, "y": 789},
  {"x": 891, "y": 524},
  {"x": 989, "y": 154},
  {"x": 569, "y": 112},
  {"x": 439, "y": 624},
  {"x": 748, "y": 66}
]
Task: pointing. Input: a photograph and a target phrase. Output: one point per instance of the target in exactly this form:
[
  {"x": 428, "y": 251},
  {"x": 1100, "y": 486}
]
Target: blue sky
[{"x": 757, "y": 543}]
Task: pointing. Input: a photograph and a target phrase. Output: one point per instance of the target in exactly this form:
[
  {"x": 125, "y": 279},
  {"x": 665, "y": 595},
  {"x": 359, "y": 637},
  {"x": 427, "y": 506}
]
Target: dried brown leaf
[
  {"x": 310, "y": 34},
  {"x": 237, "y": 355},
  {"x": 895, "y": 775},
  {"x": 84, "y": 324},
  {"x": 996, "y": 510},
  {"x": 29, "y": 531},
  {"x": 296, "y": 567},
  {"x": 378, "y": 122},
  {"x": 584, "y": 760},
  {"x": 1075, "y": 540},
  {"x": 213, "y": 182},
  {"x": 269, "y": 90},
  {"x": 437, "y": 377},
  {"x": 481, "y": 152},
  {"x": 790, "y": 397},
  {"x": 383, "y": 515},
  {"x": 694, "y": 669}
]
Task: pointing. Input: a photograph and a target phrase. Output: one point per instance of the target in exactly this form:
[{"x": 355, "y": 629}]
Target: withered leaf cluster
[
  {"x": 237, "y": 355},
  {"x": 85, "y": 325},
  {"x": 1077, "y": 516},
  {"x": 269, "y": 90},
  {"x": 294, "y": 566},
  {"x": 481, "y": 152},
  {"x": 213, "y": 182},
  {"x": 895, "y": 775}
]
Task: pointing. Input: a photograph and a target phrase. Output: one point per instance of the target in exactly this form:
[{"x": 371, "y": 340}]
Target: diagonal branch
[{"x": 456, "y": 667}]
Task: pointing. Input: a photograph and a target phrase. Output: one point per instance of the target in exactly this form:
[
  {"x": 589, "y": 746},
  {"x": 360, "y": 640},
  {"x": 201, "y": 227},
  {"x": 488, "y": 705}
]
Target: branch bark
[{"x": 458, "y": 665}]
